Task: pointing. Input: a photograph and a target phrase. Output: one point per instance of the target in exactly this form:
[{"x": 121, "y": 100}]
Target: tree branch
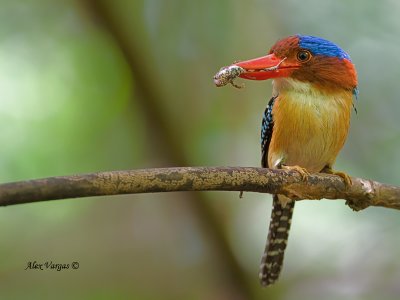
[{"x": 361, "y": 194}]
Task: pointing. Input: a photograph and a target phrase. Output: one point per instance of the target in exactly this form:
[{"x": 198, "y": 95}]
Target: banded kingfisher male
[{"x": 305, "y": 123}]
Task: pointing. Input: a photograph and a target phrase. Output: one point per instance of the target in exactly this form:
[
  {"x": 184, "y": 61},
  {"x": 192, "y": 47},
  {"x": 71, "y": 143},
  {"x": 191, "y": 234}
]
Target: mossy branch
[{"x": 361, "y": 194}]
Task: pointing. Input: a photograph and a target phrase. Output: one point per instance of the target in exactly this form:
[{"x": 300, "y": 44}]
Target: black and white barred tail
[{"x": 272, "y": 260}]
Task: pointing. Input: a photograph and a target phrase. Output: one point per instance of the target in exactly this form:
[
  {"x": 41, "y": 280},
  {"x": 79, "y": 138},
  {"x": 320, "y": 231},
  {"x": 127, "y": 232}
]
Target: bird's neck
[
  {"x": 293, "y": 86},
  {"x": 308, "y": 93}
]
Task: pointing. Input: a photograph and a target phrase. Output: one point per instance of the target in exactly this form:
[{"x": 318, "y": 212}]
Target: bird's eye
[{"x": 303, "y": 55}]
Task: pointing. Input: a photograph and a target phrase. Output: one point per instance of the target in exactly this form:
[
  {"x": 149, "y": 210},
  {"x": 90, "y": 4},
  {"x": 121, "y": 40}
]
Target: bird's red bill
[{"x": 266, "y": 67}]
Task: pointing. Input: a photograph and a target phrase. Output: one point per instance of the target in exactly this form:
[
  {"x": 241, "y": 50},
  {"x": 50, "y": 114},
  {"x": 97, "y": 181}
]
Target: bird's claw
[
  {"x": 302, "y": 171},
  {"x": 346, "y": 178}
]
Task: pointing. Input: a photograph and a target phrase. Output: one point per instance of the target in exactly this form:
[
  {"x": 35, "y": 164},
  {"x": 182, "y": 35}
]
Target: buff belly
[{"x": 309, "y": 129}]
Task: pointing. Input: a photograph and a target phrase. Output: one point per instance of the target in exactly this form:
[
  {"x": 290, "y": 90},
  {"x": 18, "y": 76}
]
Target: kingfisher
[{"x": 305, "y": 123}]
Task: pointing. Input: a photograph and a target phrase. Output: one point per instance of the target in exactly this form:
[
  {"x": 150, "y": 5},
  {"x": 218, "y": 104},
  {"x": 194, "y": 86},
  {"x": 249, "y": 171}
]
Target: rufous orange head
[{"x": 304, "y": 58}]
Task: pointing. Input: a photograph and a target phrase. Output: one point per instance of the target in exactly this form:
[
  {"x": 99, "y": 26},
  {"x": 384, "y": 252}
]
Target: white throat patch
[{"x": 292, "y": 85}]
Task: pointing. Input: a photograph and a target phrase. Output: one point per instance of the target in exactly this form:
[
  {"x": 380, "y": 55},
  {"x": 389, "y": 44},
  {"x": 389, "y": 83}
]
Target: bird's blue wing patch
[
  {"x": 356, "y": 92},
  {"x": 267, "y": 125}
]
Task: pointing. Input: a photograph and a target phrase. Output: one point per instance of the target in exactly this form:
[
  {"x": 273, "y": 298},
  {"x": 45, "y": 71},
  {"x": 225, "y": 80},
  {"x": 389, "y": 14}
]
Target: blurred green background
[{"x": 89, "y": 86}]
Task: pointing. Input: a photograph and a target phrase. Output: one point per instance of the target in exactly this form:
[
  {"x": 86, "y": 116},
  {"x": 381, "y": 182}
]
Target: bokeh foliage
[{"x": 69, "y": 104}]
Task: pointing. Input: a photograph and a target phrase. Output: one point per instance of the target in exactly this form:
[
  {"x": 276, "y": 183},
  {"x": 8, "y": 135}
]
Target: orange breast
[{"x": 310, "y": 128}]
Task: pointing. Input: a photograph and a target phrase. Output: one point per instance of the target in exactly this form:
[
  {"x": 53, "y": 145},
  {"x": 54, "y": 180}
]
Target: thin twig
[{"x": 361, "y": 194}]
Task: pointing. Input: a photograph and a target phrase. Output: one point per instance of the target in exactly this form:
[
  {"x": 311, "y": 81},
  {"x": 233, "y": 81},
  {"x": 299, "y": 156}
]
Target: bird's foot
[
  {"x": 302, "y": 171},
  {"x": 346, "y": 178}
]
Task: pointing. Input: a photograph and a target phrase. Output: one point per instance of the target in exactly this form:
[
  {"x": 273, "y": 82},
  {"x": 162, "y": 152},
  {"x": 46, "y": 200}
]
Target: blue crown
[{"x": 319, "y": 46}]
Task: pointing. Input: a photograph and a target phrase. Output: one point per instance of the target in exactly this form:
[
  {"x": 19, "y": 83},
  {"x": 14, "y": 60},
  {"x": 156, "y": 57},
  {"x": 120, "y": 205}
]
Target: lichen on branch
[{"x": 361, "y": 194}]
